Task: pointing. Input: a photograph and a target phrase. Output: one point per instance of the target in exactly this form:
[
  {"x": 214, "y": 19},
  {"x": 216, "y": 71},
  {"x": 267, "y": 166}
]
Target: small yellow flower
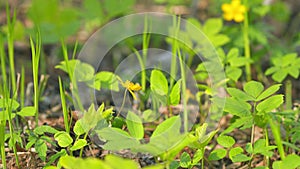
[
  {"x": 234, "y": 11},
  {"x": 131, "y": 87}
]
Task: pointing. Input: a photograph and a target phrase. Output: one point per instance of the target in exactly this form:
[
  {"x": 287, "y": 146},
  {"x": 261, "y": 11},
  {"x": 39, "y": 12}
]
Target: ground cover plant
[{"x": 96, "y": 84}]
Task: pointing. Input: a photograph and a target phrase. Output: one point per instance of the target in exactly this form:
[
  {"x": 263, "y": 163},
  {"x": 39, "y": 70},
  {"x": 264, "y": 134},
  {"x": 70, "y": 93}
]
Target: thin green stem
[
  {"x": 22, "y": 88},
  {"x": 267, "y": 144},
  {"x": 81, "y": 150},
  {"x": 36, "y": 53},
  {"x": 142, "y": 65},
  {"x": 247, "y": 43},
  {"x": 123, "y": 102},
  {"x": 64, "y": 105},
  {"x": 288, "y": 94},
  {"x": 173, "y": 71},
  {"x": 276, "y": 133}
]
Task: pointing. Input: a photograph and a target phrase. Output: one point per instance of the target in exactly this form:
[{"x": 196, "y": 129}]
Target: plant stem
[
  {"x": 146, "y": 40},
  {"x": 64, "y": 105},
  {"x": 247, "y": 43},
  {"x": 276, "y": 133},
  {"x": 267, "y": 144},
  {"x": 173, "y": 71},
  {"x": 288, "y": 94}
]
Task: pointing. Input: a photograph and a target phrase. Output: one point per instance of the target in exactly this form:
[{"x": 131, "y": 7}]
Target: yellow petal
[
  {"x": 238, "y": 17},
  {"x": 242, "y": 9},
  {"x": 228, "y": 16},
  {"x": 226, "y": 7}
]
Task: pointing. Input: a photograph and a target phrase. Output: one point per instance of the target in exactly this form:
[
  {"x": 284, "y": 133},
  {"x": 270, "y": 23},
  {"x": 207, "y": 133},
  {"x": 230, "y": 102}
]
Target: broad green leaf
[
  {"x": 237, "y": 107},
  {"x": 27, "y": 111},
  {"x": 134, "y": 125},
  {"x": 288, "y": 59},
  {"x": 170, "y": 123},
  {"x": 293, "y": 71},
  {"x": 80, "y": 143},
  {"x": 116, "y": 162},
  {"x": 90, "y": 118},
  {"x": 270, "y": 104},
  {"x": 174, "y": 165},
  {"x": 268, "y": 92},
  {"x": 272, "y": 70},
  {"x": 117, "y": 139},
  {"x": 226, "y": 141},
  {"x": 246, "y": 121},
  {"x": 239, "y": 61},
  {"x": 240, "y": 158},
  {"x": 175, "y": 93},
  {"x": 253, "y": 88},
  {"x": 41, "y": 148},
  {"x": 70, "y": 162},
  {"x": 108, "y": 80},
  {"x": 212, "y": 26},
  {"x": 233, "y": 52},
  {"x": 63, "y": 139},
  {"x": 235, "y": 151},
  {"x": 40, "y": 130},
  {"x": 233, "y": 73},
  {"x": 53, "y": 158},
  {"x": 219, "y": 39},
  {"x": 291, "y": 161},
  {"x": 217, "y": 154},
  {"x": 158, "y": 82},
  {"x": 78, "y": 130},
  {"x": 12, "y": 103},
  {"x": 185, "y": 160},
  {"x": 238, "y": 94},
  {"x": 261, "y": 148},
  {"x": 280, "y": 75}
]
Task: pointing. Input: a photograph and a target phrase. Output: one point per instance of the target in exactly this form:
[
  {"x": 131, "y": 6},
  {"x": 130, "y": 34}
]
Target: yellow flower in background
[
  {"x": 131, "y": 87},
  {"x": 234, "y": 11}
]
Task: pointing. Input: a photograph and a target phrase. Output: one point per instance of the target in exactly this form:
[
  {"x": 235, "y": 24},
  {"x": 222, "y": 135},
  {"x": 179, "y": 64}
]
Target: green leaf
[
  {"x": 40, "y": 130},
  {"x": 108, "y": 80},
  {"x": 238, "y": 123},
  {"x": 168, "y": 124},
  {"x": 41, "y": 148},
  {"x": 272, "y": 70},
  {"x": 78, "y": 130},
  {"x": 293, "y": 71},
  {"x": 116, "y": 162},
  {"x": 233, "y": 73},
  {"x": 279, "y": 76},
  {"x": 235, "y": 151},
  {"x": 174, "y": 165},
  {"x": 212, "y": 26},
  {"x": 270, "y": 104},
  {"x": 197, "y": 156},
  {"x": 239, "y": 61},
  {"x": 240, "y": 158},
  {"x": 80, "y": 143},
  {"x": 175, "y": 93},
  {"x": 268, "y": 92},
  {"x": 233, "y": 53},
  {"x": 63, "y": 139},
  {"x": 253, "y": 88},
  {"x": 226, "y": 141},
  {"x": 12, "y": 103},
  {"x": 158, "y": 83},
  {"x": 27, "y": 111},
  {"x": 217, "y": 154},
  {"x": 238, "y": 94},
  {"x": 134, "y": 125},
  {"x": 70, "y": 162},
  {"x": 291, "y": 161},
  {"x": 237, "y": 107},
  {"x": 117, "y": 139},
  {"x": 185, "y": 160}
]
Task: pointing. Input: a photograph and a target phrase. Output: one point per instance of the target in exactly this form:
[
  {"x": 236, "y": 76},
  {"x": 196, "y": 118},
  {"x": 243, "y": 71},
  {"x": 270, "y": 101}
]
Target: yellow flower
[
  {"x": 234, "y": 11},
  {"x": 131, "y": 87}
]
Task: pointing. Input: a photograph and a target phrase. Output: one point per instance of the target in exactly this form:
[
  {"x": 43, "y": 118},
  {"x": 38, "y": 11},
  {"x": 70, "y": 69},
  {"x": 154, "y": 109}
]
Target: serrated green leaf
[
  {"x": 268, "y": 92},
  {"x": 158, "y": 82},
  {"x": 80, "y": 143},
  {"x": 270, "y": 104},
  {"x": 135, "y": 125},
  {"x": 217, "y": 154},
  {"x": 226, "y": 141},
  {"x": 63, "y": 139},
  {"x": 253, "y": 88},
  {"x": 185, "y": 160},
  {"x": 237, "y": 107},
  {"x": 238, "y": 94}
]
